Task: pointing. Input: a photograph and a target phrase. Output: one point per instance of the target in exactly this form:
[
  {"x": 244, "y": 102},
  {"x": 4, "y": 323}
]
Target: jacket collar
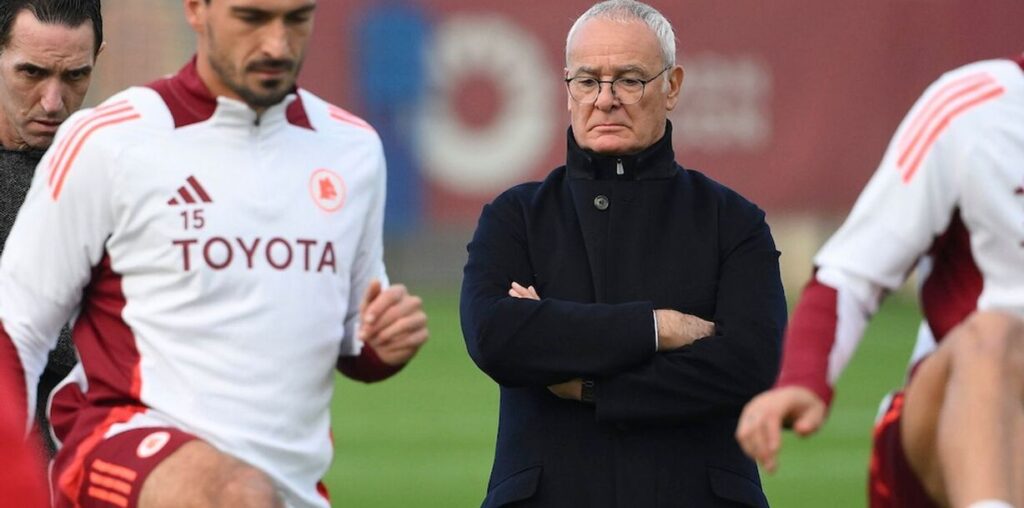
[
  {"x": 656, "y": 161},
  {"x": 33, "y": 155},
  {"x": 190, "y": 101}
]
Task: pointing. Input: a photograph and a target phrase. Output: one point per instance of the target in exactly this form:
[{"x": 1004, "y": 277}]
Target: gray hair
[{"x": 625, "y": 11}]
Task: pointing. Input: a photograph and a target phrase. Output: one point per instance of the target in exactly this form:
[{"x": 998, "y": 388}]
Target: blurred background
[{"x": 790, "y": 102}]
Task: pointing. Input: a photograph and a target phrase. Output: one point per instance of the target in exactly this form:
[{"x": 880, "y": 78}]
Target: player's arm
[
  {"x": 389, "y": 326},
  {"x": 56, "y": 240},
  {"x": 526, "y": 342},
  {"x": 911, "y": 199},
  {"x": 827, "y": 324},
  {"x": 392, "y": 326}
]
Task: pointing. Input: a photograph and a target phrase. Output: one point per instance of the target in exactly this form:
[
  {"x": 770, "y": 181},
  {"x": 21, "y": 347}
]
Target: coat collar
[{"x": 656, "y": 161}]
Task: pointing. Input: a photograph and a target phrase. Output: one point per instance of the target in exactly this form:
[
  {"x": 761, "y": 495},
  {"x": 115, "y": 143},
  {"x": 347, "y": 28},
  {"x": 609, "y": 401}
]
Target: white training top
[
  {"x": 950, "y": 193},
  {"x": 214, "y": 262}
]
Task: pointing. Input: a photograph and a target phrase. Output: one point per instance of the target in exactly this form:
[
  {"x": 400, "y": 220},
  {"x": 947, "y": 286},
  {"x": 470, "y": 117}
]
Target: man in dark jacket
[
  {"x": 47, "y": 51},
  {"x": 628, "y": 307}
]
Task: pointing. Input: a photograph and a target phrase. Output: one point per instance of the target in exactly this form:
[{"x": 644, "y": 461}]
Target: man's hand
[
  {"x": 392, "y": 322},
  {"x": 569, "y": 390},
  {"x": 518, "y": 291},
  {"x": 760, "y": 428},
  {"x": 676, "y": 329}
]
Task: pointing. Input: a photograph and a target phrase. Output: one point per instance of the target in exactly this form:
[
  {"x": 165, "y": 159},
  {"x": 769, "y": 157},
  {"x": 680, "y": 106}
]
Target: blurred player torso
[
  {"x": 951, "y": 185},
  {"x": 223, "y": 297}
]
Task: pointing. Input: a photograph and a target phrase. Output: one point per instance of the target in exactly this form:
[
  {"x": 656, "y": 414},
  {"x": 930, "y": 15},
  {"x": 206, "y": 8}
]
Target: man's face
[
  {"x": 44, "y": 73},
  {"x": 607, "y": 50},
  {"x": 251, "y": 50}
]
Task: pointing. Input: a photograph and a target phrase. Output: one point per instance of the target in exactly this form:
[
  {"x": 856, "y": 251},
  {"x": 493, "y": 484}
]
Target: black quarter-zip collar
[{"x": 654, "y": 162}]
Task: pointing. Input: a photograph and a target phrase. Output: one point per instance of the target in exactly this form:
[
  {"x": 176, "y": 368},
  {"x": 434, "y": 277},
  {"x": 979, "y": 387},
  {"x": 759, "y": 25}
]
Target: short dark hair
[{"x": 70, "y": 13}]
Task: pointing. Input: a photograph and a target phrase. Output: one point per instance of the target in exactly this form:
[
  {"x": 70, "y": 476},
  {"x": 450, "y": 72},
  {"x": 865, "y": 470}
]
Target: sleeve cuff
[
  {"x": 367, "y": 367},
  {"x": 655, "y": 314}
]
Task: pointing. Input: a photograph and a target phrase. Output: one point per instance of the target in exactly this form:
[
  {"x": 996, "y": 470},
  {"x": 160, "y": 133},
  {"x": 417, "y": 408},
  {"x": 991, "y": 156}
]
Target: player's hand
[
  {"x": 569, "y": 390},
  {"x": 518, "y": 291},
  {"x": 760, "y": 428},
  {"x": 676, "y": 329},
  {"x": 392, "y": 322}
]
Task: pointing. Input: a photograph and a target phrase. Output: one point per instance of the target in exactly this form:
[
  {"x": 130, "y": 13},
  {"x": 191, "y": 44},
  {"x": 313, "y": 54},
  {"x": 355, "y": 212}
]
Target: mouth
[
  {"x": 46, "y": 125},
  {"x": 271, "y": 69},
  {"x": 608, "y": 127},
  {"x": 267, "y": 74}
]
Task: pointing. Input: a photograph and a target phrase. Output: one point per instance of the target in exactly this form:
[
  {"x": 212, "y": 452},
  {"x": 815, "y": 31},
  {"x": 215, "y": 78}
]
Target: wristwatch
[{"x": 587, "y": 391}]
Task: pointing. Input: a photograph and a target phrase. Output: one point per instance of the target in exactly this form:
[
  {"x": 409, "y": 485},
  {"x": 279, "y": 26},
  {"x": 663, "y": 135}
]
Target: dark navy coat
[{"x": 604, "y": 250}]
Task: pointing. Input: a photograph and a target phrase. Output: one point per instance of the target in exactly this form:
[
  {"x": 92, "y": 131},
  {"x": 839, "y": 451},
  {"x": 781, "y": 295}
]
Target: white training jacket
[
  {"x": 212, "y": 261},
  {"x": 948, "y": 197}
]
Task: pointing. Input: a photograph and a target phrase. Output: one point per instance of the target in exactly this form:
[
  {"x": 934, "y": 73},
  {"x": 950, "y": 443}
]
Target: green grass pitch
[{"x": 426, "y": 437}]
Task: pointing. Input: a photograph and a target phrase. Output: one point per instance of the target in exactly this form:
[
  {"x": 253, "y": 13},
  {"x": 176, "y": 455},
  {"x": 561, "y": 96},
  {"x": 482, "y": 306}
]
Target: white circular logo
[
  {"x": 500, "y": 134},
  {"x": 152, "y": 444}
]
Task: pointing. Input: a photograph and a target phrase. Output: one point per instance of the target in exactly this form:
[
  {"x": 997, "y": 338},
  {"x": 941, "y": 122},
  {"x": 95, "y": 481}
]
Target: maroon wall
[{"x": 791, "y": 102}]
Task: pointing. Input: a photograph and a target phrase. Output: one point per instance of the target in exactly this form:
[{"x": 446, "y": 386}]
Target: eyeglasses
[{"x": 585, "y": 90}]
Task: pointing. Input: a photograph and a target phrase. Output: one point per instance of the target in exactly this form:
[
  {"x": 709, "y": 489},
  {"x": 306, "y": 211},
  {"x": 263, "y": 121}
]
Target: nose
[
  {"x": 606, "y": 99},
  {"x": 275, "y": 41},
  {"x": 52, "y": 97}
]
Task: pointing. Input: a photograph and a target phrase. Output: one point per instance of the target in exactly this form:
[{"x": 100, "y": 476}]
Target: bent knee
[
  {"x": 990, "y": 340},
  {"x": 994, "y": 324},
  {"x": 245, "y": 485}
]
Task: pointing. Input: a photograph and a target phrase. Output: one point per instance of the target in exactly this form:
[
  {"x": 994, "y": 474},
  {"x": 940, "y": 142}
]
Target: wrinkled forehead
[
  {"x": 49, "y": 44},
  {"x": 611, "y": 70},
  {"x": 613, "y": 47}
]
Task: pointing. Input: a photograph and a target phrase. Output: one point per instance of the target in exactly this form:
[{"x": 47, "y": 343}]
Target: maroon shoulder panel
[
  {"x": 296, "y": 113},
  {"x": 186, "y": 96}
]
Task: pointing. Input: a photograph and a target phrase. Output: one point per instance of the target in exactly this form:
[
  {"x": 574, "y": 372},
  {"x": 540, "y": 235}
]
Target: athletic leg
[
  {"x": 158, "y": 467},
  {"x": 962, "y": 421},
  {"x": 198, "y": 475}
]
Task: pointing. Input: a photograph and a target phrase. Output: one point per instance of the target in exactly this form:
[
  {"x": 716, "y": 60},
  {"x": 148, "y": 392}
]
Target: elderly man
[
  {"x": 627, "y": 306},
  {"x": 222, "y": 255},
  {"x": 47, "y": 52}
]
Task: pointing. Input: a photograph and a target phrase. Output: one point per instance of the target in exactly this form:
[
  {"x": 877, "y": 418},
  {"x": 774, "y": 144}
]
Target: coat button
[{"x": 601, "y": 202}]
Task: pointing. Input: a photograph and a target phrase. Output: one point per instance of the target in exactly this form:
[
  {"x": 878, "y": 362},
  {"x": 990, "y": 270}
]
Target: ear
[
  {"x": 568, "y": 99},
  {"x": 195, "y": 13},
  {"x": 675, "y": 85}
]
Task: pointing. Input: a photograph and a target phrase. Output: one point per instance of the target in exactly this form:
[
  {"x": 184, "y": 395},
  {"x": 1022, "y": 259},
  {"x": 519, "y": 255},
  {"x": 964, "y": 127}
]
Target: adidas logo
[{"x": 185, "y": 193}]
